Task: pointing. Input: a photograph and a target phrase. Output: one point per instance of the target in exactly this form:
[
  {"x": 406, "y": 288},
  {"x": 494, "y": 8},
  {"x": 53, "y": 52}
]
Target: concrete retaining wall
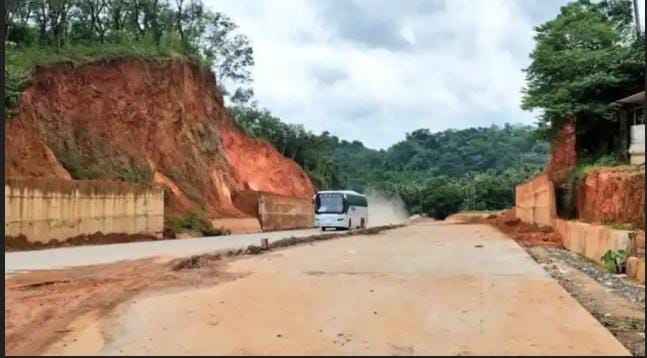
[
  {"x": 45, "y": 209},
  {"x": 636, "y": 268},
  {"x": 284, "y": 213},
  {"x": 592, "y": 240},
  {"x": 535, "y": 201},
  {"x": 636, "y": 263}
]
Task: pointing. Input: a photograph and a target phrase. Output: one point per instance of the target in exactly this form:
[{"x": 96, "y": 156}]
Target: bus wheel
[{"x": 362, "y": 223}]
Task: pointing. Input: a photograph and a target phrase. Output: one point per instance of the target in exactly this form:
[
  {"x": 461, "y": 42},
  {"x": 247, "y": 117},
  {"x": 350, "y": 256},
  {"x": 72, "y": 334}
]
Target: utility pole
[{"x": 639, "y": 29}]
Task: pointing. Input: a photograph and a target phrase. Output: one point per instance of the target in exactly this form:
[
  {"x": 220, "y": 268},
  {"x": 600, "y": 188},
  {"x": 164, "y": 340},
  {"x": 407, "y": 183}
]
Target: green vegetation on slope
[{"x": 46, "y": 32}]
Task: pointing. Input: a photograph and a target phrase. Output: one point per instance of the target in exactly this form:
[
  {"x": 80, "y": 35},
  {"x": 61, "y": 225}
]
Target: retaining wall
[
  {"x": 535, "y": 201},
  {"x": 636, "y": 268},
  {"x": 277, "y": 212},
  {"x": 636, "y": 262},
  {"x": 593, "y": 240},
  {"x": 46, "y": 209}
]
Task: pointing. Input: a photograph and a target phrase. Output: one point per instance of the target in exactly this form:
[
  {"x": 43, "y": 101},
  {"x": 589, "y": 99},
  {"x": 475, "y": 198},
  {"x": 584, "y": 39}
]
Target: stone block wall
[
  {"x": 278, "y": 212},
  {"x": 46, "y": 209},
  {"x": 535, "y": 201}
]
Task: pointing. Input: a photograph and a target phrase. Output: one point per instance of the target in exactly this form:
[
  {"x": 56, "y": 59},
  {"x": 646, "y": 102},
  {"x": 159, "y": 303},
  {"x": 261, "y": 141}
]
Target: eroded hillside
[{"x": 144, "y": 121}]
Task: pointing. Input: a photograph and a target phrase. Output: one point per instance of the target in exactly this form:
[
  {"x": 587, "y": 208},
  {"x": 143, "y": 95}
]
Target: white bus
[{"x": 340, "y": 209}]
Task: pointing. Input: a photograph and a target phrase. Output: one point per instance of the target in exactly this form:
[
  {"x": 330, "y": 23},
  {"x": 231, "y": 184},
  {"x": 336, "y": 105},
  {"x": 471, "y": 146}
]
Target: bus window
[{"x": 330, "y": 203}]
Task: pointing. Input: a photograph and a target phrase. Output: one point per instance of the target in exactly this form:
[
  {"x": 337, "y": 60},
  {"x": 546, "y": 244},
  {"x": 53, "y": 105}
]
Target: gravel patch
[{"x": 633, "y": 291}]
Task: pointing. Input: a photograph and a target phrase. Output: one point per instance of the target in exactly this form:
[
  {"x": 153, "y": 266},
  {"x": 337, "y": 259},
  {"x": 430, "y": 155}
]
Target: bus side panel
[
  {"x": 363, "y": 215},
  {"x": 353, "y": 217},
  {"x": 356, "y": 217}
]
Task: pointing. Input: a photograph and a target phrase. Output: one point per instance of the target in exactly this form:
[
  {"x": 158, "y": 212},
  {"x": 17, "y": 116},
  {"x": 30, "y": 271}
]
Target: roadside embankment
[{"x": 607, "y": 205}]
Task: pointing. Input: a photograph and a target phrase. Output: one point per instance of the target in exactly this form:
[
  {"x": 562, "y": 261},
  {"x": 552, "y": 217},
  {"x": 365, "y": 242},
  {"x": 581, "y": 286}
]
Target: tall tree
[{"x": 583, "y": 60}]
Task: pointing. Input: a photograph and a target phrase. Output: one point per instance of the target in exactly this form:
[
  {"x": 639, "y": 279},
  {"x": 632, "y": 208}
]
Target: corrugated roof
[{"x": 633, "y": 99}]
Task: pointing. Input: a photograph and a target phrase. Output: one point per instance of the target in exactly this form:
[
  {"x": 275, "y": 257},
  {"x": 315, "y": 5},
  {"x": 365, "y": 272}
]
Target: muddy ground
[
  {"x": 21, "y": 243},
  {"x": 526, "y": 234},
  {"x": 40, "y": 305}
]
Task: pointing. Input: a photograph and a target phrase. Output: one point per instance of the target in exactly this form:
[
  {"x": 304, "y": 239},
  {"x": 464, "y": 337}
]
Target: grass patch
[
  {"x": 20, "y": 61},
  {"x": 620, "y": 226},
  {"x": 86, "y": 157},
  {"x": 75, "y": 162},
  {"x": 196, "y": 222}
]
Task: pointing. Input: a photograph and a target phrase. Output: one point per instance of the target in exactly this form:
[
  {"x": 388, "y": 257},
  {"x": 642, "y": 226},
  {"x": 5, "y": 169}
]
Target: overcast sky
[{"x": 373, "y": 70}]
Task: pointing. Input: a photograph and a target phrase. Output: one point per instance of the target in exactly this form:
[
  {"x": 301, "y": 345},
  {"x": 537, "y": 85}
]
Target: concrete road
[
  {"x": 428, "y": 288},
  {"x": 100, "y": 254}
]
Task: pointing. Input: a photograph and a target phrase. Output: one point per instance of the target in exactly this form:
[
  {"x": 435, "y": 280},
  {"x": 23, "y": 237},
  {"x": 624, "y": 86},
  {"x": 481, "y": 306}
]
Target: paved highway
[{"x": 59, "y": 258}]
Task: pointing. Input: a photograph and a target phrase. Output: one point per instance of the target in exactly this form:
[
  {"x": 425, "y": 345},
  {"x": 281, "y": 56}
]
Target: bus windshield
[{"x": 329, "y": 203}]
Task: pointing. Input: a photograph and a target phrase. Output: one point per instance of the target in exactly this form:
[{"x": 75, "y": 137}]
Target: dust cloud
[{"x": 385, "y": 210}]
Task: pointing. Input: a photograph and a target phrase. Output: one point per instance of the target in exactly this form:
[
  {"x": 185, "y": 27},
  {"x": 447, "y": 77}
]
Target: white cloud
[{"x": 373, "y": 70}]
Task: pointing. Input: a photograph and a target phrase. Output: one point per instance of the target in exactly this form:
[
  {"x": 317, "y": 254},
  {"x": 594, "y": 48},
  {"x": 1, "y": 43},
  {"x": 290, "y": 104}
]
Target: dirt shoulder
[
  {"x": 40, "y": 305},
  {"x": 525, "y": 234},
  {"x": 20, "y": 243}
]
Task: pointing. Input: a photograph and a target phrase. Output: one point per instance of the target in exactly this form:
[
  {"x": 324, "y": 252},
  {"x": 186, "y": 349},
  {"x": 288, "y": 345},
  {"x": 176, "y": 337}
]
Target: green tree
[
  {"x": 50, "y": 31},
  {"x": 441, "y": 197},
  {"x": 583, "y": 60}
]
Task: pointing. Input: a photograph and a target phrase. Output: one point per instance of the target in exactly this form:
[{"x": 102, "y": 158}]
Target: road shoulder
[{"x": 618, "y": 306}]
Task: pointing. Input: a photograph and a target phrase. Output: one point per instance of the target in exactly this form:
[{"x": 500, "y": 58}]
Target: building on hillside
[{"x": 631, "y": 119}]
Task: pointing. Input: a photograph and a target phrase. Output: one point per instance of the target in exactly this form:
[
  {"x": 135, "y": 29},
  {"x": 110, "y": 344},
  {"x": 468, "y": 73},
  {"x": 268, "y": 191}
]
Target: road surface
[
  {"x": 428, "y": 288},
  {"x": 65, "y": 257}
]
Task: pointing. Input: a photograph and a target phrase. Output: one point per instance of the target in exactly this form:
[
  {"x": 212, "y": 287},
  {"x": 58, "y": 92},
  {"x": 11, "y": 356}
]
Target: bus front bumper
[{"x": 330, "y": 221}]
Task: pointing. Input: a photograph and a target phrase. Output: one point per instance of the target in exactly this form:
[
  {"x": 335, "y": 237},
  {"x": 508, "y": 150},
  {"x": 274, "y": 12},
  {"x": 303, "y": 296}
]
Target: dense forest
[{"x": 434, "y": 173}]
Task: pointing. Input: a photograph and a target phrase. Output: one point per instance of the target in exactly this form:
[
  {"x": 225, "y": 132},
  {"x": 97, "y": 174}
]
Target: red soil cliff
[
  {"x": 144, "y": 121},
  {"x": 563, "y": 154},
  {"x": 615, "y": 195}
]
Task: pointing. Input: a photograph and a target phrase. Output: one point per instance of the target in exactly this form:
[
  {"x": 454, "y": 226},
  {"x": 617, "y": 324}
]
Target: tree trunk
[{"x": 178, "y": 18}]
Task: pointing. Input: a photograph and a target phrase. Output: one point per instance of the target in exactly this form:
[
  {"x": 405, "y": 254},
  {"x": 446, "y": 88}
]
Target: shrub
[
  {"x": 196, "y": 222},
  {"x": 614, "y": 261},
  {"x": 441, "y": 198}
]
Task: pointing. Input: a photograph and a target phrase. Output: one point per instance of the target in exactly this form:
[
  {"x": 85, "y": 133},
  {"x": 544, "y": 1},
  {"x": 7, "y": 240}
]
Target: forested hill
[
  {"x": 434, "y": 173},
  {"x": 453, "y": 153}
]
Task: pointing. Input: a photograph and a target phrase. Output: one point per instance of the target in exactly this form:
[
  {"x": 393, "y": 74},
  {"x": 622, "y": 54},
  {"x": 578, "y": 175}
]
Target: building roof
[{"x": 633, "y": 99}]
